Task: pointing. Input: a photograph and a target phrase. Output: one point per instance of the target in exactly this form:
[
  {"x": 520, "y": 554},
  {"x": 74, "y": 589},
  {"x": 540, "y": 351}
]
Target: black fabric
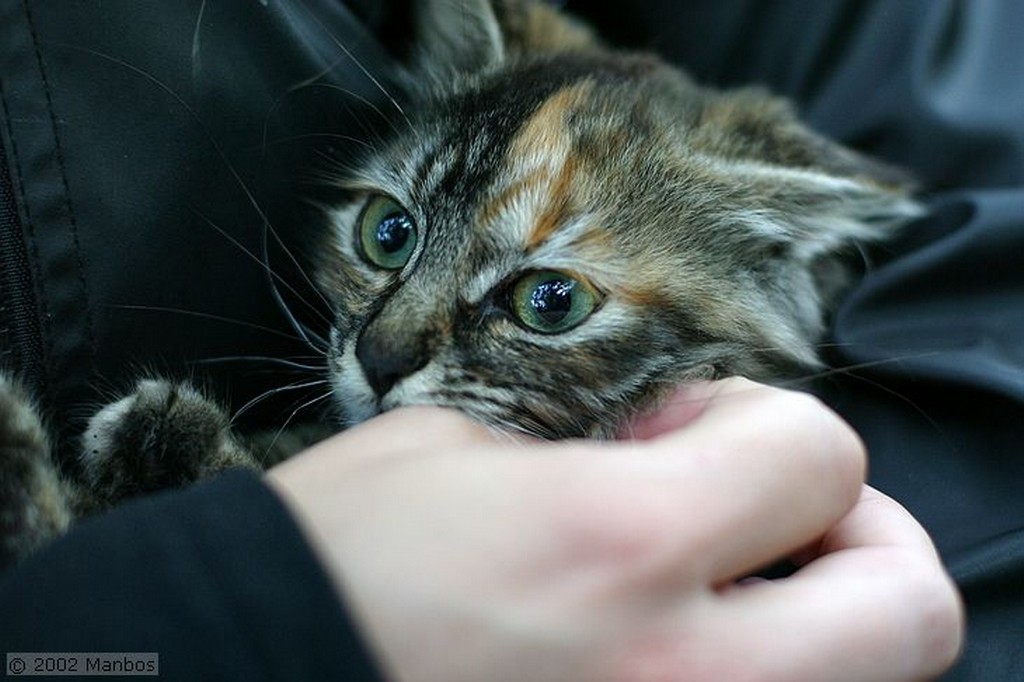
[
  {"x": 216, "y": 580},
  {"x": 930, "y": 347},
  {"x": 149, "y": 144},
  {"x": 128, "y": 134},
  {"x": 144, "y": 145}
]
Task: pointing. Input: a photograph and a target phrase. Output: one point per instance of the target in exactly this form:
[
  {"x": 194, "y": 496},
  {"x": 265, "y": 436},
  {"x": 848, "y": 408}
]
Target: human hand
[{"x": 466, "y": 557}]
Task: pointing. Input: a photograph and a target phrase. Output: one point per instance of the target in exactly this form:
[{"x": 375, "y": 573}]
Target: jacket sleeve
[{"x": 216, "y": 579}]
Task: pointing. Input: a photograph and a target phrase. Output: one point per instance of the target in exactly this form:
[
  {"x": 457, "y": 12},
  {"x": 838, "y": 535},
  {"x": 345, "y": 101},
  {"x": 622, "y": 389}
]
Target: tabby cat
[{"x": 554, "y": 236}]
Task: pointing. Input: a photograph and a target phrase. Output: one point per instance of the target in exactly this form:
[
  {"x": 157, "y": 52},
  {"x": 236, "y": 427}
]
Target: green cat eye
[
  {"x": 552, "y": 302},
  {"x": 387, "y": 233}
]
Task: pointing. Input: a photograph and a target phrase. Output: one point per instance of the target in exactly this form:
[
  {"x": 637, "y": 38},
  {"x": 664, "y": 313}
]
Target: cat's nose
[{"x": 385, "y": 364}]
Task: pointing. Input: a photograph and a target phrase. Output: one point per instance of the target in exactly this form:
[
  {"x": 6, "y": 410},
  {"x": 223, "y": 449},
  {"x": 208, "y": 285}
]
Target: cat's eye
[
  {"x": 387, "y": 233},
  {"x": 552, "y": 302}
]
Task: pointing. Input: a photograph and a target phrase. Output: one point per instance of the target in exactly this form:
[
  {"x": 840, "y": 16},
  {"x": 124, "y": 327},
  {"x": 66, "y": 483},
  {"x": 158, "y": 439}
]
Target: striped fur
[
  {"x": 709, "y": 221},
  {"x": 709, "y": 229}
]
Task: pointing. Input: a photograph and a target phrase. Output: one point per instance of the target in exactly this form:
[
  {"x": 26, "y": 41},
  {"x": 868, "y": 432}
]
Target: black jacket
[
  {"x": 141, "y": 143},
  {"x": 216, "y": 580}
]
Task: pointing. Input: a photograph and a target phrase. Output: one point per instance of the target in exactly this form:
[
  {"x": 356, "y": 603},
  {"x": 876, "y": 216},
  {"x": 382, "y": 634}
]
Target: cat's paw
[
  {"x": 34, "y": 500},
  {"x": 164, "y": 435}
]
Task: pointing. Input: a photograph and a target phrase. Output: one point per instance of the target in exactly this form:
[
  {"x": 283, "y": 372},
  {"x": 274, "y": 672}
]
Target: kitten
[
  {"x": 556, "y": 236},
  {"x": 564, "y": 233}
]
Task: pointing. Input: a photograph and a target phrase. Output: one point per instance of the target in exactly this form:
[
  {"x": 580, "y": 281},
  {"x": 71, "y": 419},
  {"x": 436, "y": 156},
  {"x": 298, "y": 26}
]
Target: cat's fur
[{"x": 704, "y": 231}]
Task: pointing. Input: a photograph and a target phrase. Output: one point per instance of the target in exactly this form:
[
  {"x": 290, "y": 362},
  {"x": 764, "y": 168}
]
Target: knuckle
[
  {"x": 634, "y": 535},
  {"x": 839, "y": 448},
  {"x": 933, "y": 618}
]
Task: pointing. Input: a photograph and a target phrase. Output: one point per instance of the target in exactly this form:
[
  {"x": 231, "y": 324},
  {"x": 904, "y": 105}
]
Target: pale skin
[{"x": 466, "y": 557}]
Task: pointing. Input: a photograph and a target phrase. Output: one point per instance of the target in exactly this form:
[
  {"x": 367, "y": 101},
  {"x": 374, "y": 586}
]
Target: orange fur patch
[
  {"x": 545, "y": 132},
  {"x": 544, "y": 142},
  {"x": 557, "y": 206},
  {"x": 644, "y": 297},
  {"x": 497, "y": 206}
]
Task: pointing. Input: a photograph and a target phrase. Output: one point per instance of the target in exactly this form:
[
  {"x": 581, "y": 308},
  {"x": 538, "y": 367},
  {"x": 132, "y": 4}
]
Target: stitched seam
[{"x": 90, "y": 338}]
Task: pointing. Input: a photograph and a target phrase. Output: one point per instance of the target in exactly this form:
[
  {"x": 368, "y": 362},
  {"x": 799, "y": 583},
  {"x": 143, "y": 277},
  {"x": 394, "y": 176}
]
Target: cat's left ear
[
  {"x": 811, "y": 193},
  {"x": 817, "y": 212}
]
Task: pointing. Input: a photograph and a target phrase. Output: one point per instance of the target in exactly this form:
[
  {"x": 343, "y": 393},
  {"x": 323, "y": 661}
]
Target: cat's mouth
[
  {"x": 354, "y": 399},
  {"x": 358, "y": 401}
]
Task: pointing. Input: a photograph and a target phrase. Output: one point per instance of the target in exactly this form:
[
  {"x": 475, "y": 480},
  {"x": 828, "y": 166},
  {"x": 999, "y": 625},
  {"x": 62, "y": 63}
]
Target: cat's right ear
[
  {"x": 454, "y": 37},
  {"x": 460, "y": 37}
]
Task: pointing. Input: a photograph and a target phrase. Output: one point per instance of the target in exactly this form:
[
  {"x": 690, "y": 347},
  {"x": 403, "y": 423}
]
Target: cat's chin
[
  {"x": 354, "y": 413},
  {"x": 360, "y": 403},
  {"x": 355, "y": 404},
  {"x": 352, "y": 416}
]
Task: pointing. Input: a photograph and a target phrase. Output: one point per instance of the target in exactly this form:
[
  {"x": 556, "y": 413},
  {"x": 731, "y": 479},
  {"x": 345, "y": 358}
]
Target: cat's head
[{"x": 559, "y": 233}]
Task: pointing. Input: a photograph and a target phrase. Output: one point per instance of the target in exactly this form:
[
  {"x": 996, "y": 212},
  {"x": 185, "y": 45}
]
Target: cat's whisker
[
  {"x": 851, "y": 369},
  {"x": 506, "y": 427},
  {"x": 303, "y": 335},
  {"x": 268, "y": 229},
  {"x": 358, "y": 64},
  {"x": 512, "y": 432},
  {"x": 532, "y": 424},
  {"x": 597, "y": 424},
  {"x": 196, "y": 42},
  {"x": 609, "y": 171},
  {"x": 291, "y": 417},
  {"x": 828, "y": 345},
  {"x": 208, "y": 316},
  {"x": 349, "y": 94},
  {"x": 265, "y": 265},
  {"x": 312, "y": 339},
  {"x": 494, "y": 410},
  {"x": 307, "y": 136},
  {"x": 190, "y": 110},
  {"x": 275, "y": 391},
  {"x": 280, "y": 362}
]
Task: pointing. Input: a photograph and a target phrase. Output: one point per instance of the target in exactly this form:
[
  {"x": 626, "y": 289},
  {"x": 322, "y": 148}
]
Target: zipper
[{"x": 21, "y": 342}]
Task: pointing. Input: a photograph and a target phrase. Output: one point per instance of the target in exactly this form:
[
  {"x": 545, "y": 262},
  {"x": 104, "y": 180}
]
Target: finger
[
  {"x": 684, "y": 405},
  {"x": 399, "y": 432},
  {"x": 879, "y": 607},
  {"x": 411, "y": 429},
  {"x": 759, "y": 473},
  {"x": 878, "y": 520}
]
